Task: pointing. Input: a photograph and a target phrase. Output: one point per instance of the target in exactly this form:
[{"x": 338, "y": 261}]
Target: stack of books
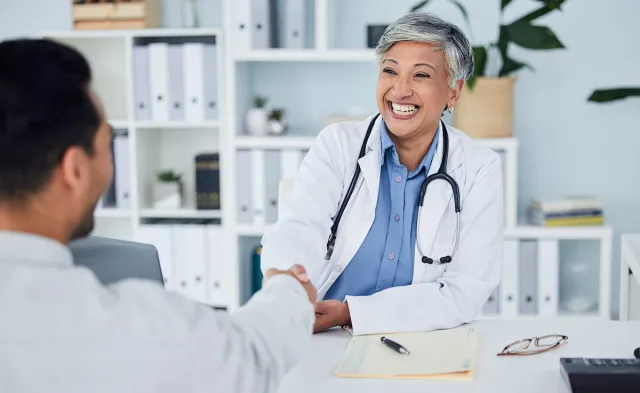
[{"x": 569, "y": 211}]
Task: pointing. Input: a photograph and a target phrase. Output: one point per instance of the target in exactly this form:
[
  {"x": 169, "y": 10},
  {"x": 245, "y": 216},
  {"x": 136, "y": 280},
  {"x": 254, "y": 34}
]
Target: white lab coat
[{"x": 440, "y": 296}]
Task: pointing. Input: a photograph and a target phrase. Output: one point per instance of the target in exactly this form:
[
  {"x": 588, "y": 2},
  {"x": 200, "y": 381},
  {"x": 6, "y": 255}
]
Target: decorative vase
[
  {"x": 277, "y": 127},
  {"x": 486, "y": 111},
  {"x": 257, "y": 120},
  {"x": 167, "y": 195}
]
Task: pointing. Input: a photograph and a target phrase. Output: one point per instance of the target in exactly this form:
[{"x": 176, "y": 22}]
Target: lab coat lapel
[
  {"x": 370, "y": 163},
  {"x": 437, "y": 198}
]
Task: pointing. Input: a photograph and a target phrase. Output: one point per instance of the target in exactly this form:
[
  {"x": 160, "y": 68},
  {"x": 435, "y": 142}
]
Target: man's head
[{"x": 55, "y": 153}]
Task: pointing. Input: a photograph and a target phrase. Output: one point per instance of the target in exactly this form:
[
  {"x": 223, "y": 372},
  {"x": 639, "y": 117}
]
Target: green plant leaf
[
  {"x": 419, "y": 5},
  {"x": 540, "y": 12},
  {"x": 505, "y": 3},
  {"x": 479, "y": 64},
  {"x": 510, "y": 66},
  {"x": 530, "y": 36},
  {"x": 608, "y": 95}
]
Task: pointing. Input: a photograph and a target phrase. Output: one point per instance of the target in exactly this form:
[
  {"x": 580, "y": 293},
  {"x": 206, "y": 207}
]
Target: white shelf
[
  {"x": 117, "y": 123},
  {"x": 499, "y": 143},
  {"x": 106, "y": 212},
  {"x": 175, "y": 125},
  {"x": 307, "y": 55},
  {"x": 251, "y": 230},
  {"x": 179, "y": 213},
  {"x": 154, "y": 32},
  {"x": 275, "y": 142},
  {"x": 588, "y": 316},
  {"x": 566, "y": 233}
]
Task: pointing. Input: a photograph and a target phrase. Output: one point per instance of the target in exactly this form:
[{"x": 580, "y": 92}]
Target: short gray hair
[{"x": 428, "y": 28}]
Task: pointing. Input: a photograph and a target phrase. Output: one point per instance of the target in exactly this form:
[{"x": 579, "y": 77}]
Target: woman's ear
[{"x": 455, "y": 94}]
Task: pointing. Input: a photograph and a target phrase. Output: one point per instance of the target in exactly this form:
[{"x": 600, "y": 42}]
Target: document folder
[{"x": 441, "y": 354}]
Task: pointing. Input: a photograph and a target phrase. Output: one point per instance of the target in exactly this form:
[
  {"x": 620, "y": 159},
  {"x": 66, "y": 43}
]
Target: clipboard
[{"x": 441, "y": 354}]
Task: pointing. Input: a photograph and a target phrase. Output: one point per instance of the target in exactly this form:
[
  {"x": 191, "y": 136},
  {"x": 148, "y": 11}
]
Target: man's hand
[
  {"x": 299, "y": 273},
  {"x": 331, "y": 313}
]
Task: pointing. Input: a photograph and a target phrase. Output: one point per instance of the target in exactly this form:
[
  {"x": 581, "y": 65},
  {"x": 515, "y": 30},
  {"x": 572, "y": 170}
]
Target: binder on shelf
[
  {"x": 548, "y": 277},
  {"x": 528, "y": 277},
  {"x": 492, "y": 306},
  {"x": 210, "y": 78},
  {"x": 271, "y": 173},
  {"x": 159, "y": 80},
  {"x": 159, "y": 236},
  {"x": 188, "y": 246},
  {"x": 109, "y": 197},
  {"x": 217, "y": 262},
  {"x": 241, "y": 24},
  {"x": 141, "y": 89},
  {"x": 193, "y": 61},
  {"x": 258, "y": 188},
  {"x": 176, "y": 84},
  {"x": 122, "y": 169},
  {"x": 509, "y": 284},
  {"x": 244, "y": 185},
  {"x": 290, "y": 163},
  {"x": 294, "y": 18},
  {"x": 261, "y": 24},
  {"x": 256, "y": 270},
  {"x": 207, "y": 181}
]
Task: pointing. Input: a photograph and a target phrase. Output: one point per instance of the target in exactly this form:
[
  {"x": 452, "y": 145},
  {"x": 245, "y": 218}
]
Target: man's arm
[
  {"x": 246, "y": 351},
  {"x": 457, "y": 296}
]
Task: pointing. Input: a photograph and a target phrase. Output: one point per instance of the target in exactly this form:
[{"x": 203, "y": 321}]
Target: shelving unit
[{"x": 286, "y": 76}]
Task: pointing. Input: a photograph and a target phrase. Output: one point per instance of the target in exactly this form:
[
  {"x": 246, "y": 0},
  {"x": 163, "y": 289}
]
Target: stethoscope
[{"x": 440, "y": 175}]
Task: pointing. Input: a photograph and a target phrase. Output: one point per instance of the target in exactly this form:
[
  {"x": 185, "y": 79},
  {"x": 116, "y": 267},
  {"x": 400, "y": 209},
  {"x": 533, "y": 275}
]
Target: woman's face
[{"x": 413, "y": 88}]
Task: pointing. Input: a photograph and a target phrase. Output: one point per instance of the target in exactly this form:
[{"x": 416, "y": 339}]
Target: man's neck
[
  {"x": 411, "y": 151},
  {"x": 33, "y": 219}
]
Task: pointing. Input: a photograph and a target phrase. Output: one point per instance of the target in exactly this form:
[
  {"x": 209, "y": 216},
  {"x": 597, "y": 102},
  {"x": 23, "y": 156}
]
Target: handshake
[{"x": 329, "y": 313}]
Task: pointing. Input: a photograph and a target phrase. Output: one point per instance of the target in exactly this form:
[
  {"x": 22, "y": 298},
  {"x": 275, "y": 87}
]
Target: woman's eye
[
  {"x": 389, "y": 71},
  {"x": 423, "y": 75}
]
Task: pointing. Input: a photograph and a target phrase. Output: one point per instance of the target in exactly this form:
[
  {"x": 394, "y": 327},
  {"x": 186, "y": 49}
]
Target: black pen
[{"x": 394, "y": 345}]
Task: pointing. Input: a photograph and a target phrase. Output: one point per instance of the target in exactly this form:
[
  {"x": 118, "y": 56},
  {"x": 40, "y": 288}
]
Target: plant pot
[
  {"x": 277, "y": 127},
  {"x": 487, "y": 110},
  {"x": 167, "y": 195},
  {"x": 257, "y": 121}
]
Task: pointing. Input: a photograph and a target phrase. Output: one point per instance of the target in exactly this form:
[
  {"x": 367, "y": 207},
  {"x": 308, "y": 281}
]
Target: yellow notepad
[{"x": 441, "y": 354}]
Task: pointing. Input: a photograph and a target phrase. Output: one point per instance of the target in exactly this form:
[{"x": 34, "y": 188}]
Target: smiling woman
[{"x": 401, "y": 256}]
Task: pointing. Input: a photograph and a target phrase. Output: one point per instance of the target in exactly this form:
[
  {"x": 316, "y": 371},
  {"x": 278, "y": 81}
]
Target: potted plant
[
  {"x": 258, "y": 117},
  {"x": 485, "y": 106},
  {"x": 167, "y": 190},
  {"x": 277, "y": 124}
]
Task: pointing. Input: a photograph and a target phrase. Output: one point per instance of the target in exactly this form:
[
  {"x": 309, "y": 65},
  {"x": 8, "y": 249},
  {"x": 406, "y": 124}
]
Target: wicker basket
[{"x": 487, "y": 110}]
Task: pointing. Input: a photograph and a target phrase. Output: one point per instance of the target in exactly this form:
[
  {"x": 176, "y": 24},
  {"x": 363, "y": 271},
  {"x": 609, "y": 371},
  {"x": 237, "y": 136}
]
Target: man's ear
[{"x": 74, "y": 168}]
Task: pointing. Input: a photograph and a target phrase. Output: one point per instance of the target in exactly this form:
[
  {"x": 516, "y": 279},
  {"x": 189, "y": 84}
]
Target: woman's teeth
[{"x": 403, "y": 109}]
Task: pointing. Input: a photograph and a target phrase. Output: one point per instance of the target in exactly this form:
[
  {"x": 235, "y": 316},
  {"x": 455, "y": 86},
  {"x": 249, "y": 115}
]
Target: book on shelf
[
  {"x": 568, "y": 211},
  {"x": 207, "y": 181}
]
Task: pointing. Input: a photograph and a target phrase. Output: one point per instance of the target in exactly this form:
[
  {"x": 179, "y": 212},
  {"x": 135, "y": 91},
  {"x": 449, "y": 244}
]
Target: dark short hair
[{"x": 45, "y": 108}]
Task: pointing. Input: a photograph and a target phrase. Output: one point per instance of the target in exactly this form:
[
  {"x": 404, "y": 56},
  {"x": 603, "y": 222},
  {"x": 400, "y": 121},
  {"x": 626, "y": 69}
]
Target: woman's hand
[{"x": 331, "y": 313}]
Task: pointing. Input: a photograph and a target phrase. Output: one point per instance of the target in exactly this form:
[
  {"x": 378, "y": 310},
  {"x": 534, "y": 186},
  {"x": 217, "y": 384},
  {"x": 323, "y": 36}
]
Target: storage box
[{"x": 121, "y": 14}]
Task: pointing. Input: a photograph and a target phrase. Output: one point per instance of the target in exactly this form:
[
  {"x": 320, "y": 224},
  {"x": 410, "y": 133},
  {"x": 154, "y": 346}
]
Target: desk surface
[{"x": 524, "y": 374}]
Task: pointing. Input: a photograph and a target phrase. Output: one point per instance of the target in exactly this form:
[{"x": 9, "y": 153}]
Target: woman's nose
[{"x": 402, "y": 89}]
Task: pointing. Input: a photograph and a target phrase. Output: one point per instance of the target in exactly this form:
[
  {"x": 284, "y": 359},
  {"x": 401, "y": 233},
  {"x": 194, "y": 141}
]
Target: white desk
[
  {"x": 530, "y": 374},
  {"x": 630, "y": 277}
]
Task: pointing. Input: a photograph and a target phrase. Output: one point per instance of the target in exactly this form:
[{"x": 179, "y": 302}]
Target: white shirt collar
[{"x": 22, "y": 247}]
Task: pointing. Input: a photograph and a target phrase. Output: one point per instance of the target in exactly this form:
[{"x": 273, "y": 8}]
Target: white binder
[
  {"x": 189, "y": 247},
  {"x": 258, "y": 187},
  {"x": 271, "y": 172},
  {"x": 217, "y": 259},
  {"x": 293, "y": 22},
  {"x": 193, "y": 61},
  {"x": 160, "y": 237},
  {"x": 141, "y": 92},
  {"x": 176, "y": 84},
  {"x": 122, "y": 169},
  {"x": 492, "y": 306},
  {"x": 244, "y": 184},
  {"x": 290, "y": 163},
  {"x": 528, "y": 277},
  {"x": 241, "y": 24},
  {"x": 211, "y": 91},
  {"x": 260, "y": 24},
  {"x": 548, "y": 277},
  {"x": 509, "y": 283},
  {"x": 159, "y": 80}
]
